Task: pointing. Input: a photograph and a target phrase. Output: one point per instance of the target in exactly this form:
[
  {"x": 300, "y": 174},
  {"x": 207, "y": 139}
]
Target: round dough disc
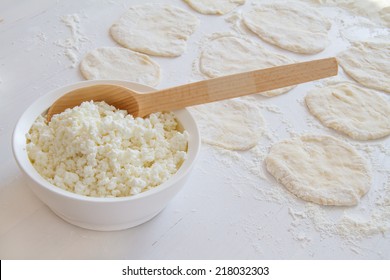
[
  {"x": 160, "y": 30},
  {"x": 230, "y": 124},
  {"x": 294, "y": 27},
  {"x": 215, "y": 7},
  {"x": 368, "y": 63},
  {"x": 225, "y": 55},
  {"x": 120, "y": 64},
  {"x": 320, "y": 169},
  {"x": 360, "y": 113}
]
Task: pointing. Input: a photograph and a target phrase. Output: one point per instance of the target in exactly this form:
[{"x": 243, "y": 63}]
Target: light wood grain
[{"x": 201, "y": 92}]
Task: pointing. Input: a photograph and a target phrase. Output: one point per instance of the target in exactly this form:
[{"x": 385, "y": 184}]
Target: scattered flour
[
  {"x": 72, "y": 45},
  {"x": 42, "y": 37}
]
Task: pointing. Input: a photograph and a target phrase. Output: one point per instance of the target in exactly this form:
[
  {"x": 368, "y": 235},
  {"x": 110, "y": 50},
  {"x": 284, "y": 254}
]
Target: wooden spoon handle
[{"x": 237, "y": 85}]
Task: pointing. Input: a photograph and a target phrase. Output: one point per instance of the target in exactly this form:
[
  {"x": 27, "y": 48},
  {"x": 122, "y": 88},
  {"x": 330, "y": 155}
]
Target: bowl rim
[{"x": 20, "y": 153}]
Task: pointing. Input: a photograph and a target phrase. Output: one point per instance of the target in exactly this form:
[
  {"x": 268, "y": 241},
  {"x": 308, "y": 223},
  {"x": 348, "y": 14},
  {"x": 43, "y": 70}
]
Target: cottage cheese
[{"x": 96, "y": 150}]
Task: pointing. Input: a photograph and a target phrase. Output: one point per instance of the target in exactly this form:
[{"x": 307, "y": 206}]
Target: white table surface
[{"x": 223, "y": 212}]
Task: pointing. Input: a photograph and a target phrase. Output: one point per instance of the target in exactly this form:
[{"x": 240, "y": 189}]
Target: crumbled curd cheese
[{"x": 96, "y": 150}]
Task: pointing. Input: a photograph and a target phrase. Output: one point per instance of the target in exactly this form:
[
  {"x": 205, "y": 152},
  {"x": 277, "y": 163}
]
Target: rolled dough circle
[
  {"x": 320, "y": 169},
  {"x": 360, "y": 113},
  {"x": 368, "y": 63},
  {"x": 215, "y": 7},
  {"x": 294, "y": 27},
  {"x": 120, "y": 64},
  {"x": 161, "y": 30},
  {"x": 225, "y": 55},
  {"x": 230, "y": 124}
]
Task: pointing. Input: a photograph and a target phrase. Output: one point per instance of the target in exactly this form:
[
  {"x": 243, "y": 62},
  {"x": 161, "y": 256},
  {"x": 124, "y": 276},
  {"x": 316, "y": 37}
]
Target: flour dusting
[{"x": 73, "y": 44}]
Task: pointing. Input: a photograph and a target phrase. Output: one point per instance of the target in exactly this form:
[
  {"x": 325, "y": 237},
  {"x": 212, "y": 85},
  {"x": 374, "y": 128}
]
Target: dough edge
[{"x": 294, "y": 185}]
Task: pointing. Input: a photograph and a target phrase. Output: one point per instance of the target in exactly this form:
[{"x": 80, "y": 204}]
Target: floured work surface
[
  {"x": 291, "y": 119},
  {"x": 231, "y": 207}
]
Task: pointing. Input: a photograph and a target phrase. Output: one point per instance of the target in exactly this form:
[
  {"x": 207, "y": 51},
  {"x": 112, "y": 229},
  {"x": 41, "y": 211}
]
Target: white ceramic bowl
[{"x": 101, "y": 213}]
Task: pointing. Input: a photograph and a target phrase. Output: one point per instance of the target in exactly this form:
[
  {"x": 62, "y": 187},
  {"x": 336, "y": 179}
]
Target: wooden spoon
[{"x": 226, "y": 87}]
